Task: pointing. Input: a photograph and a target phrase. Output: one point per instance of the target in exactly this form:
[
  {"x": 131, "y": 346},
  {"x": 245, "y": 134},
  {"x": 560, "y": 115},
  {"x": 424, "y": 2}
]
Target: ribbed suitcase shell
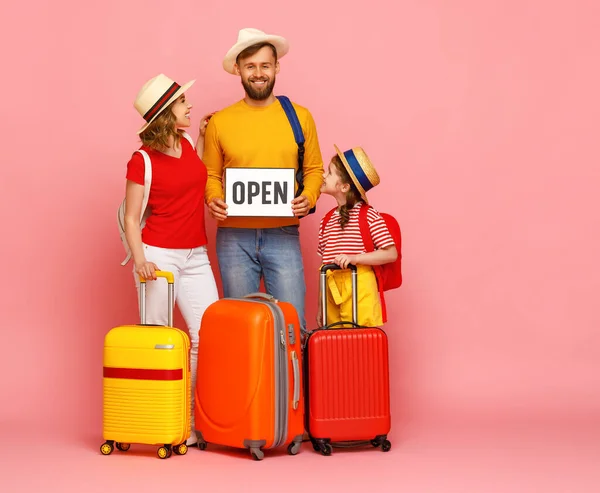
[
  {"x": 348, "y": 381},
  {"x": 147, "y": 384},
  {"x": 147, "y": 390},
  {"x": 249, "y": 388}
]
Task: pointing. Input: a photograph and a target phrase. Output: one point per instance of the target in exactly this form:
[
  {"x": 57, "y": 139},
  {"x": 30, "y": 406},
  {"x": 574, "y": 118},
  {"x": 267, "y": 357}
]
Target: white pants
[{"x": 195, "y": 289}]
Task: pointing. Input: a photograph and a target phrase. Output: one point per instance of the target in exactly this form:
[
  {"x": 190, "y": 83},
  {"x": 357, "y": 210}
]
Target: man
[{"x": 256, "y": 133}]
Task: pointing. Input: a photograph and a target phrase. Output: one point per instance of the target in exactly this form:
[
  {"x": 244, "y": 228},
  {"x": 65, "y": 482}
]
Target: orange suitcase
[
  {"x": 249, "y": 390},
  {"x": 147, "y": 385}
]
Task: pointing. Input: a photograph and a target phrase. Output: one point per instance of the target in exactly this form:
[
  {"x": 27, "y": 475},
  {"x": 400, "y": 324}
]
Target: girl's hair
[
  {"x": 156, "y": 136},
  {"x": 352, "y": 195}
]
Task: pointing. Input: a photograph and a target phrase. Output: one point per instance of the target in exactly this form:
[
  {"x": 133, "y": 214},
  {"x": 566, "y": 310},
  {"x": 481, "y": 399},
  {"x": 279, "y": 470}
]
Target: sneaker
[{"x": 192, "y": 441}]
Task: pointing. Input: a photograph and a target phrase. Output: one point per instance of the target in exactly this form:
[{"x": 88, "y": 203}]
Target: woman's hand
[
  {"x": 204, "y": 123},
  {"x": 146, "y": 270}
]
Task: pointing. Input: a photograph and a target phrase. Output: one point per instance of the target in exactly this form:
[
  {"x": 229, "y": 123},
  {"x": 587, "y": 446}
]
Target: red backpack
[{"x": 389, "y": 276}]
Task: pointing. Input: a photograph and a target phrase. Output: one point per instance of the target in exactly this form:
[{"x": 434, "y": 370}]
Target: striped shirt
[{"x": 334, "y": 241}]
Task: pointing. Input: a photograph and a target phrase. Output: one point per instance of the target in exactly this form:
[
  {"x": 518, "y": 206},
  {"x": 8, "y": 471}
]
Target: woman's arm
[
  {"x": 134, "y": 197},
  {"x": 201, "y": 133}
]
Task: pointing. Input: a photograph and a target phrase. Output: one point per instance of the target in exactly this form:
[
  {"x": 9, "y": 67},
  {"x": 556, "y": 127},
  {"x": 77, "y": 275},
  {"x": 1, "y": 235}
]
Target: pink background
[{"x": 481, "y": 118}]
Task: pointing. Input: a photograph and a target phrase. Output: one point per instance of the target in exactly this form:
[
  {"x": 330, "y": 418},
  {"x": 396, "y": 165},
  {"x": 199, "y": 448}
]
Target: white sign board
[{"x": 259, "y": 191}]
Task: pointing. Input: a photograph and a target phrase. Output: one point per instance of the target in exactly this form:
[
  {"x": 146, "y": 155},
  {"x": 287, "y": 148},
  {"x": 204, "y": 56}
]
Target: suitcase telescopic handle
[
  {"x": 354, "y": 275},
  {"x": 171, "y": 291},
  {"x": 260, "y": 295}
]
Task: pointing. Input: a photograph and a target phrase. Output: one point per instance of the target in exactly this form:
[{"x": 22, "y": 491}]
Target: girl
[
  {"x": 174, "y": 237},
  {"x": 349, "y": 176}
]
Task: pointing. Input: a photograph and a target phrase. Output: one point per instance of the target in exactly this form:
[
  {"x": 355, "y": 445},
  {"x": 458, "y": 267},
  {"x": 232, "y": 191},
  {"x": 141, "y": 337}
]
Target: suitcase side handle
[
  {"x": 296, "y": 367},
  {"x": 324, "y": 270},
  {"x": 171, "y": 294}
]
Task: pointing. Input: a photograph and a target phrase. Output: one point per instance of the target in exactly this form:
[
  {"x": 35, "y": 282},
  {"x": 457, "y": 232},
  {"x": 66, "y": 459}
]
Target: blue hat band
[{"x": 365, "y": 183}]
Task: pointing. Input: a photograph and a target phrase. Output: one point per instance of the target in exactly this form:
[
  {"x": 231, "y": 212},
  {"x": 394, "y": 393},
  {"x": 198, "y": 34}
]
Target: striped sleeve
[{"x": 379, "y": 230}]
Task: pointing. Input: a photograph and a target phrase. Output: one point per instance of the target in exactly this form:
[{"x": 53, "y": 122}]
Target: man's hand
[
  {"x": 217, "y": 209},
  {"x": 300, "y": 206}
]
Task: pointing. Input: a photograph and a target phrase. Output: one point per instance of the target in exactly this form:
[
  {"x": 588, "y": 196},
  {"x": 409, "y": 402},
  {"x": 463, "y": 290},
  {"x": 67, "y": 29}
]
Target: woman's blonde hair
[
  {"x": 352, "y": 195},
  {"x": 157, "y": 134}
]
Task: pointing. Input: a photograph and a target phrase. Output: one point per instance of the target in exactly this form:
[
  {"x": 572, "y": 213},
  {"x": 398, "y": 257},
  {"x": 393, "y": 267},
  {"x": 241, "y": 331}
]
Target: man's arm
[
  {"x": 213, "y": 159},
  {"x": 313, "y": 162}
]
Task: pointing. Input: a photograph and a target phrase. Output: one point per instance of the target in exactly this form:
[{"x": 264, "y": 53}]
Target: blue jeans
[{"x": 246, "y": 255}]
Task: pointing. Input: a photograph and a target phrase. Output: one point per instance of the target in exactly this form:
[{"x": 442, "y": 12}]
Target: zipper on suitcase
[{"x": 281, "y": 413}]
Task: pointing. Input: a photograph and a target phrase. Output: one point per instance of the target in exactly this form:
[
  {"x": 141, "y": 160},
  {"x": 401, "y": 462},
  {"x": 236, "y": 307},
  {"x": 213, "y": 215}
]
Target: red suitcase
[{"x": 347, "y": 394}]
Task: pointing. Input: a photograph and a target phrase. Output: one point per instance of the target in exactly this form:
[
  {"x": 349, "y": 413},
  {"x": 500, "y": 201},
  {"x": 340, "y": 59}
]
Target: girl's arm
[{"x": 378, "y": 257}]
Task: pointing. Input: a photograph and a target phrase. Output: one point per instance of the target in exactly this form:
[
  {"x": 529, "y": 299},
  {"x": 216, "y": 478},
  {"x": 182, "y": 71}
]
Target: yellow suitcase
[{"x": 147, "y": 384}]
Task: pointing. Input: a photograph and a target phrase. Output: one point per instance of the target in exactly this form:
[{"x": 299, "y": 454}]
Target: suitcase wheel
[
  {"x": 382, "y": 442},
  {"x": 257, "y": 454},
  {"x": 106, "y": 448},
  {"x": 123, "y": 447},
  {"x": 164, "y": 452},
  {"x": 324, "y": 448},
  {"x": 180, "y": 449},
  {"x": 294, "y": 448},
  {"x": 322, "y": 445},
  {"x": 202, "y": 445}
]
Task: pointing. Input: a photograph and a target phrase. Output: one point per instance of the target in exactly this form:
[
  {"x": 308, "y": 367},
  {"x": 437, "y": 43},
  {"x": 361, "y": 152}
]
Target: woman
[{"x": 174, "y": 236}]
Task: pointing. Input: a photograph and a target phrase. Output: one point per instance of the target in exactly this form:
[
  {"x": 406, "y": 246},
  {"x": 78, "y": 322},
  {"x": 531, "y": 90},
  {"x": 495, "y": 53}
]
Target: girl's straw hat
[{"x": 360, "y": 169}]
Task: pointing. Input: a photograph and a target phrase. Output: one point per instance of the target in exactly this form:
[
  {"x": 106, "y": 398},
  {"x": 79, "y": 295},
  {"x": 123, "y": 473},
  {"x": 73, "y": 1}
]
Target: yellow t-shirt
[{"x": 245, "y": 136}]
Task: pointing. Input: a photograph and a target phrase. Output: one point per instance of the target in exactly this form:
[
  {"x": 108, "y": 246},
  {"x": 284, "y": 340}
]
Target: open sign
[{"x": 259, "y": 191}]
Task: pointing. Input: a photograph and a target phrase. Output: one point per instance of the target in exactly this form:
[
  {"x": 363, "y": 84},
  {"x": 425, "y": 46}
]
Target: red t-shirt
[
  {"x": 176, "y": 197},
  {"x": 334, "y": 240}
]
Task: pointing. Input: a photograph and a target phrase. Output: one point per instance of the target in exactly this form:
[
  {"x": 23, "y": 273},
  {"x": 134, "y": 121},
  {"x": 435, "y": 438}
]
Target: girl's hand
[
  {"x": 147, "y": 270},
  {"x": 343, "y": 260},
  {"x": 204, "y": 123}
]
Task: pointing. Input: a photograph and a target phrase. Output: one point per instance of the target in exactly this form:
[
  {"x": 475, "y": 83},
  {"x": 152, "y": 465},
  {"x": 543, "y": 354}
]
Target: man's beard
[{"x": 259, "y": 94}]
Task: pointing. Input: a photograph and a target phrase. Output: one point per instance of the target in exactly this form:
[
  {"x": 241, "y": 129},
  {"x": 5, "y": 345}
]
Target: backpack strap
[
  {"x": 290, "y": 112},
  {"x": 143, "y": 215},
  {"x": 147, "y": 181},
  {"x": 365, "y": 233},
  {"x": 326, "y": 219}
]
